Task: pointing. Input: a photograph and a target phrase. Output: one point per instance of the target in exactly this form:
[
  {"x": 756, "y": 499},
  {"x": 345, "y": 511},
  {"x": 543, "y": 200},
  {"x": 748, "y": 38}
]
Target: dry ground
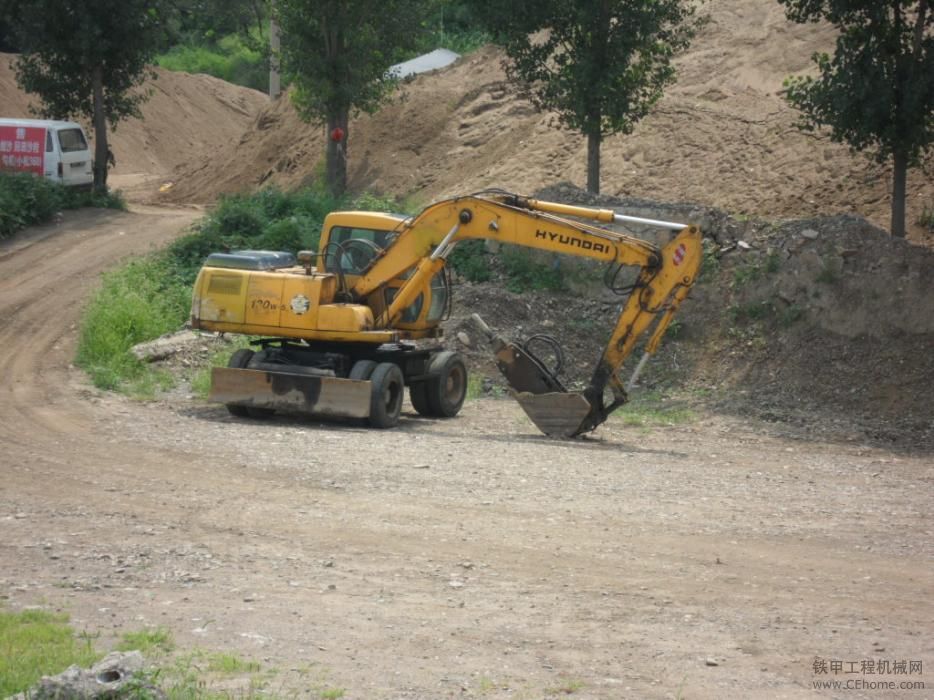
[{"x": 467, "y": 558}]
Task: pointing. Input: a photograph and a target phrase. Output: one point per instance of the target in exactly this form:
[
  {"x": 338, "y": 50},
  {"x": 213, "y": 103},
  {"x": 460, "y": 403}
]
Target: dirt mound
[
  {"x": 823, "y": 322},
  {"x": 186, "y": 117},
  {"x": 721, "y": 136}
]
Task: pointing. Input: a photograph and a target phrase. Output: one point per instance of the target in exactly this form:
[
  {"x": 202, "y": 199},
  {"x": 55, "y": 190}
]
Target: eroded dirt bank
[{"x": 469, "y": 558}]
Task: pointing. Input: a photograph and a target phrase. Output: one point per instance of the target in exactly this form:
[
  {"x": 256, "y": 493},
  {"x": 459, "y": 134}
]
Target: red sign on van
[{"x": 22, "y": 149}]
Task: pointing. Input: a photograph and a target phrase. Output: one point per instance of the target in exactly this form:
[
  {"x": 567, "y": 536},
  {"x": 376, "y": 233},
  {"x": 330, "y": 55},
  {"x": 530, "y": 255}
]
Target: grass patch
[
  {"x": 753, "y": 311},
  {"x": 474, "y": 387},
  {"x": 752, "y": 271},
  {"x": 36, "y": 643},
  {"x": 231, "y": 663},
  {"x": 710, "y": 263},
  {"x": 137, "y": 302},
  {"x": 201, "y": 380},
  {"x": 653, "y": 410},
  {"x": 568, "y": 686},
  {"x": 26, "y": 200},
  {"x": 158, "y": 639},
  {"x": 791, "y": 315}
]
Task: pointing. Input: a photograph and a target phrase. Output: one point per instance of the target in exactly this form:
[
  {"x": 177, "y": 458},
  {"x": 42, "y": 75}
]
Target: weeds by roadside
[{"x": 26, "y": 200}]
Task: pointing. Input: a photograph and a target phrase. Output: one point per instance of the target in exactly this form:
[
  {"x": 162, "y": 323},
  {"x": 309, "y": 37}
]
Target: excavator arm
[{"x": 665, "y": 277}]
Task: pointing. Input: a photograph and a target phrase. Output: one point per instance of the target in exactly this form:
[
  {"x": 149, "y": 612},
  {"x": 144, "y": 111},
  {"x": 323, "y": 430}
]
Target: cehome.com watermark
[{"x": 864, "y": 674}]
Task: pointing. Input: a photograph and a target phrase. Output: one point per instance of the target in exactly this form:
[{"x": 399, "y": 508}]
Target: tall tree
[
  {"x": 600, "y": 64},
  {"x": 82, "y": 58},
  {"x": 876, "y": 92},
  {"x": 337, "y": 54}
]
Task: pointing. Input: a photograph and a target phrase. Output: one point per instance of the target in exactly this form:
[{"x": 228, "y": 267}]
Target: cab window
[
  {"x": 49, "y": 146},
  {"x": 354, "y": 257},
  {"x": 72, "y": 140}
]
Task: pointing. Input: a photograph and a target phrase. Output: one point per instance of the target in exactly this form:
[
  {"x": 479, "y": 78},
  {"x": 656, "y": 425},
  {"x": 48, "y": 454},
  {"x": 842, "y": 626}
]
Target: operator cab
[{"x": 352, "y": 241}]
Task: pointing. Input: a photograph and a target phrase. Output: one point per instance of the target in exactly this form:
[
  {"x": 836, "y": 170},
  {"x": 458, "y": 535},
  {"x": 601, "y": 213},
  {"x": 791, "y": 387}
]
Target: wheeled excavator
[{"x": 342, "y": 332}]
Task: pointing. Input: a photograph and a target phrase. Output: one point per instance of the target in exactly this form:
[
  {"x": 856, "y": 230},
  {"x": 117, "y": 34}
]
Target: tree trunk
[
  {"x": 336, "y": 170},
  {"x": 101, "y": 148},
  {"x": 275, "y": 83},
  {"x": 899, "y": 178},
  {"x": 593, "y": 161}
]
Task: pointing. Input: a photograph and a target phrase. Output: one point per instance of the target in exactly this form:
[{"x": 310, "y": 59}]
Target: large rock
[{"x": 166, "y": 346}]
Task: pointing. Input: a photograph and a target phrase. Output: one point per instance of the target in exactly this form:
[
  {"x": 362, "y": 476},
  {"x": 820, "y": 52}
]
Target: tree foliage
[
  {"x": 600, "y": 64},
  {"x": 83, "y": 59},
  {"x": 337, "y": 53},
  {"x": 876, "y": 92},
  {"x": 200, "y": 21}
]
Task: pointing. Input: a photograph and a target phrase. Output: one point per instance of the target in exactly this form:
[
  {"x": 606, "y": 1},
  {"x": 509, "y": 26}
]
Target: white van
[{"x": 55, "y": 150}]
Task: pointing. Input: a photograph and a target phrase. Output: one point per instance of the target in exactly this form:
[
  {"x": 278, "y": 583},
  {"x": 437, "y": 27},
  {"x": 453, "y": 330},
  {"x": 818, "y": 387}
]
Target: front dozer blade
[
  {"x": 559, "y": 414},
  {"x": 296, "y": 393}
]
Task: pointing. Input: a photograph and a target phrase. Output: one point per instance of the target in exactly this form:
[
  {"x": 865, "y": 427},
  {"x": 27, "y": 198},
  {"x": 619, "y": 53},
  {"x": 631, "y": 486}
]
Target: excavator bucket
[
  {"x": 556, "y": 414},
  {"x": 553, "y": 409}
]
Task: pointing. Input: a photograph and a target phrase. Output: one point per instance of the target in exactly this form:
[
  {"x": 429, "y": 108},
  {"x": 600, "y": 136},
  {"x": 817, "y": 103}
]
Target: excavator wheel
[
  {"x": 446, "y": 387},
  {"x": 386, "y": 397},
  {"x": 241, "y": 360},
  {"x": 418, "y": 395},
  {"x": 362, "y": 370}
]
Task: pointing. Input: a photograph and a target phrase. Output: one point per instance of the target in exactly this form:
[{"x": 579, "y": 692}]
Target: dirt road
[{"x": 469, "y": 558}]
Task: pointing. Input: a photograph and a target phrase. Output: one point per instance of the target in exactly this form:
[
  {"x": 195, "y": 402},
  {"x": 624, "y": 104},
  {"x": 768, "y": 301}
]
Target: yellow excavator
[{"x": 342, "y": 332}]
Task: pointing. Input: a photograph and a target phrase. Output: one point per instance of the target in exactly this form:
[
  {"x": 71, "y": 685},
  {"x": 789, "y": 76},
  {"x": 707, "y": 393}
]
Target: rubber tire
[
  {"x": 388, "y": 386},
  {"x": 447, "y": 384},
  {"x": 418, "y": 395},
  {"x": 241, "y": 360},
  {"x": 362, "y": 370}
]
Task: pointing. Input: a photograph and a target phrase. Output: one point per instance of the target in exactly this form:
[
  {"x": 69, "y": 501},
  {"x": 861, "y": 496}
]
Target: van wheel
[
  {"x": 388, "y": 385},
  {"x": 446, "y": 385},
  {"x": 241, "y": 360}
]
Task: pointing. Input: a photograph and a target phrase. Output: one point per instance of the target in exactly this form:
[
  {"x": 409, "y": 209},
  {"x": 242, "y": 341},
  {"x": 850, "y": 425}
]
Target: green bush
[
  {"x": 231, "y": 59},
  {"x": 26, "y": 200},
  {"x": 524, "y": 272},
  {"x": 265, "y": 220},
  {"x": 470, "y": 260}
]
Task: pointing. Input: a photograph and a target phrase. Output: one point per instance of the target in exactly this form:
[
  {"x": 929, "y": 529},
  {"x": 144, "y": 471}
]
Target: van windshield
[{"x": 72, "y": 140}]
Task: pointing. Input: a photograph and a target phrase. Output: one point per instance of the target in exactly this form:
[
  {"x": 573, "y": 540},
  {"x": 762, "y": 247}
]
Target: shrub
[
  {"x": 26, "y": 200},
  {"x": 137, "y": 302},
  {"x": 230, "y": 59}
]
